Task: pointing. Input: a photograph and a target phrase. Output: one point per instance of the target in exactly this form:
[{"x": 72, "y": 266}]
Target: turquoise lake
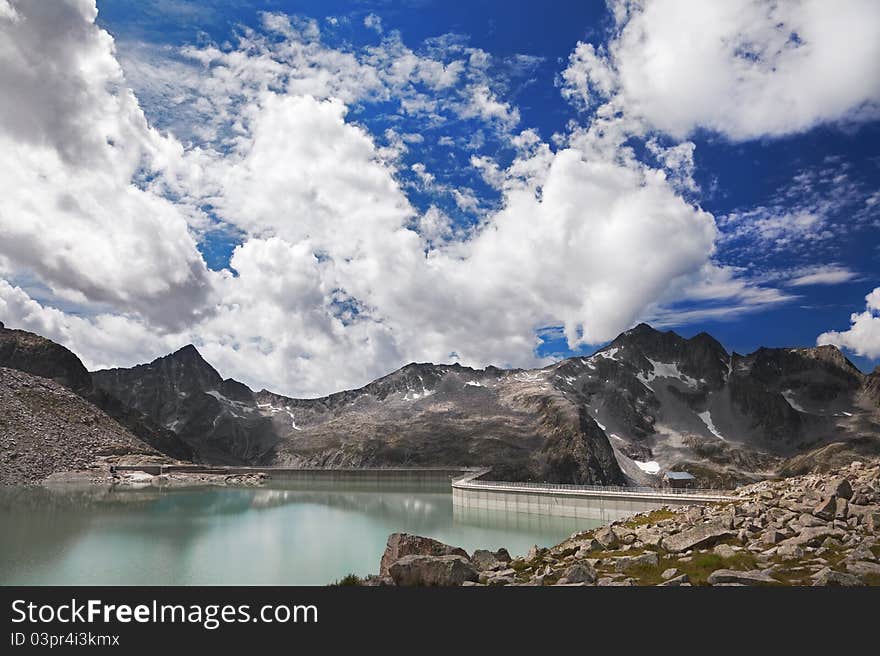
[{"x": 281, "y": 534}]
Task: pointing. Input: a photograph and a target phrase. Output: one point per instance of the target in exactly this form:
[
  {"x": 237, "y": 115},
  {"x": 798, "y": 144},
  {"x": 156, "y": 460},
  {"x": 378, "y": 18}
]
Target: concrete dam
[{"x": 599, "y": 503}]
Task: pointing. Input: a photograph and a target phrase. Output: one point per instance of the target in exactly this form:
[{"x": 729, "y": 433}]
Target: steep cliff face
[
  {"x": 423, "y": 414},
  {"x": 30, "y": 353},
  {"x": 872, "y": 388},
  {"x": 668, "y": 402},
  {"x": 46, "y": 428},
  {"x": 217, "y": 419}
]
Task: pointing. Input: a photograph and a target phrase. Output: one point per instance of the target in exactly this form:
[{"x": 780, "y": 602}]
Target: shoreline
[{"x": 817, "y": 529}]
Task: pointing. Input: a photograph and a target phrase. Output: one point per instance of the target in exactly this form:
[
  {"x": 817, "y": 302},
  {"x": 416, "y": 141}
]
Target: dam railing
[
  {"x": 594, "y": 502},
  {"x": 611, "y": 489}
]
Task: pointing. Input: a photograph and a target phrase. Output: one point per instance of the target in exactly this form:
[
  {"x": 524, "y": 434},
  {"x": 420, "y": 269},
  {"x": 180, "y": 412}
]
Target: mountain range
[{"x": 648, "y": 402}]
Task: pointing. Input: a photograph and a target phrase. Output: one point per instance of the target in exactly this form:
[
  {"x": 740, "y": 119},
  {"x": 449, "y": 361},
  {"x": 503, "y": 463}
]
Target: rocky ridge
[
  {"x": 817, "y": 529},
  {"x": 36, "y": 355},
  {"x": 649, "y": 402},
  {"x": 47, "y": 428}
]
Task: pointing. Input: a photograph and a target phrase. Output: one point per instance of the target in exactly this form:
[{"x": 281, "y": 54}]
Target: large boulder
[
  {"x": 607, "y": 538},
  {"x": 863, "y": 568},
  {"x": 403, "y": 544},
  {"x": 579, "y": 573},
  {"x": 626, "y": 563},
  {"x": 701, "y": 535},
  {"x": 813, "y": 536},
  {"x": 829, "y": 577},
  {"x": 432, "y": 570},
  {"x": 839, "y": 487},
  {"x": 826, "y": 508},
  {"x": 751, "y": 577},
  {"x": 484, "y": 560}
]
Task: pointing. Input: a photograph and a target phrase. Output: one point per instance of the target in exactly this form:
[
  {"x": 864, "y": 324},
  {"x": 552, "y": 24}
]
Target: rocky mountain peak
[
  {"x": 829, "y": 354},
  {"x": 39, "y": 356},
  {"x": 188, "y": 366},
  {"x": 701, "y": 357},
  {"x": 188, "y": 354}
]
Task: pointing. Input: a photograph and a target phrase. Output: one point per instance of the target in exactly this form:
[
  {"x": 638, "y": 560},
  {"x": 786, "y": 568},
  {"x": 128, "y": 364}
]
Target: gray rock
[
  {"x": 404, "y": 544},
  {"x": 826, "y": 508},
  {"x": 829, "y": 577},
  {"x": 863, "y": 568},
  {"x": 625, "y": 563},
  {"x": 676, "y": 581},
  {"x": 772, "y": 536},
  {"x": 813, "y": 536},
  {"x": 587, "y": 547},
  {"x": 607, "y": 538},
  {"x": 501, "y": 580},
  {"x": 751, "y": 577},
  {"x": 670, "y": 573},
  {"x": 702, "y": 535},
  {"x": 580, "y": 573},
  {"x": 807, "y": 520},
  {"x": 483, "y": 560},
  {"x": 377, "y": 581},
  {"x": 839, "y": 487},
  {"x": 790, "y": 552},
  {"x": 694, "y": 513},
  {"x": 502, "y": 555},
  {"x": 724, "y": 550},
  {"x": 611, "y": 583},
  {"x": 432, "y": 571},
  {"x": 650, "y": 537}
]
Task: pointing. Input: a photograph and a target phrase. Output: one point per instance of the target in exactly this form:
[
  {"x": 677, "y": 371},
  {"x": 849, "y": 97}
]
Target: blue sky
[
  {"x": 733, "y": 176},
  {"x": 755, "y": 171}
]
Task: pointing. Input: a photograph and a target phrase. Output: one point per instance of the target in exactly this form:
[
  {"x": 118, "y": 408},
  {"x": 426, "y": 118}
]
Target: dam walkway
[{"x": 602, "y": 503}]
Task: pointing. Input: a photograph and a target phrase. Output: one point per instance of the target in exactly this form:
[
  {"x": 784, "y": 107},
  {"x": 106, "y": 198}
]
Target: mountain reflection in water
[{"x": 293, "y": 533}]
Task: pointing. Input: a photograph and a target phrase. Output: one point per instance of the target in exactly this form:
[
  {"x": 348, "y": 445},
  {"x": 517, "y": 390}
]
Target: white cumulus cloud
[
  {"x": 337, "y": 277},
  {"x": 863, "y": 335},
  {"x": 743, "y": 68}
]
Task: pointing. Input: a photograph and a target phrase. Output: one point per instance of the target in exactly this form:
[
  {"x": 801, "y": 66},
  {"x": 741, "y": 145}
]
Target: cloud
[
  {"x": 829, "y": 274},
  {"x": 742, "y": 68},
  {"x": 373, "y": 22},
  {"x": 336, "y": 276},
  {"x": 76, "y": 157},
  {"x": 863, "y": 335},
  {"x": 807, "y": 218}
]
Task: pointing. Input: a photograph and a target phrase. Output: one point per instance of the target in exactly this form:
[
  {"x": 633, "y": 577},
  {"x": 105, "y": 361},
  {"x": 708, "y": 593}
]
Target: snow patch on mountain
[
  {"x": 649, "y": 467},
  {"x": 707, "y": 419},
  {"x": 668, "y": 370},
  {"x": 275, "y": 409},
  {"x": 788, "y": 395}
]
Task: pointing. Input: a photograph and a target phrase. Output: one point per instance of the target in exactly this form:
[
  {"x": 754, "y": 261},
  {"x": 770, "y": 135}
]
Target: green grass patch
[
  {"x": 702, "y": 565},
  {"x": 652, "y": 517},
  {"x": 523, "y": 565},
  {"x": 349, "y": 579},
  {"x": 871, "y": 579},
  {"x": 698, "y": 568}
]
